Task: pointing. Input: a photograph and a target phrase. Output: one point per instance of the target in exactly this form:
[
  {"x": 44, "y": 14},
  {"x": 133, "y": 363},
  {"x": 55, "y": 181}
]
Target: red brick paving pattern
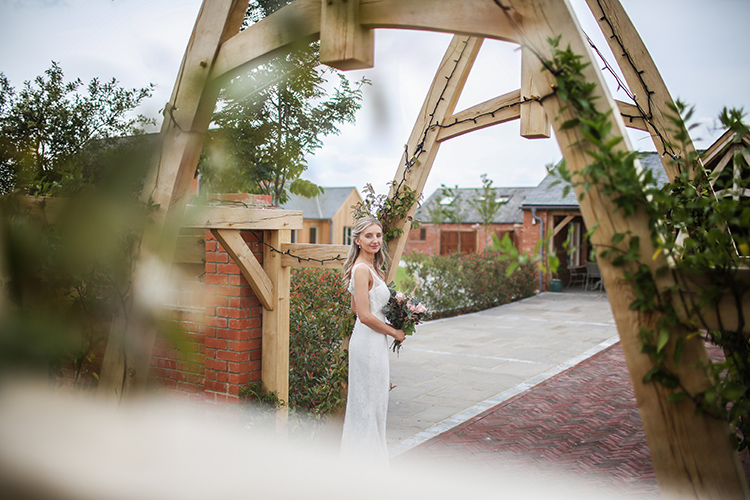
[{"x": 581, "y": 423}]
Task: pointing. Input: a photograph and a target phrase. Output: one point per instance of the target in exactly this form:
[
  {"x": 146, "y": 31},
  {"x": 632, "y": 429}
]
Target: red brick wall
[
  {"x": 531, "y": 233},
  {"x": 233, "y": 329},
  {"x": 431, "y": 244},
  {"x": 205, "y": 352}
]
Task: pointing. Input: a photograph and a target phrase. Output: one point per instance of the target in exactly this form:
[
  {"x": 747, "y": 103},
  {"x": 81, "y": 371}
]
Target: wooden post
[
  {"x": 534, "y": 120},
  {"x": 692, "y": 454},
  {"x": 186, "y": 118},
  {"x": 275, "y": 360},
  {"x": 423, "y": 145},
  {"x": 344, "y": 44}
]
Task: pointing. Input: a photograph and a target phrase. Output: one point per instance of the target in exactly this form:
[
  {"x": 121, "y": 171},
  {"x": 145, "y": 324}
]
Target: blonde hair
[{"x": 381, "y": 259}]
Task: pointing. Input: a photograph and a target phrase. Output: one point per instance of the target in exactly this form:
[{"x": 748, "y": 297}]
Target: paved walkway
[
  {"x": 530, "y": 393},
  {"x": 582, "y": 424},
  {"x": 454, "y": 369}
]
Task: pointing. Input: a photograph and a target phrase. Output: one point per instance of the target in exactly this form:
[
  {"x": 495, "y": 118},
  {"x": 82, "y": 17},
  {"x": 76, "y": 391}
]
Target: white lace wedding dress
[{"x": 363, "y": 436}]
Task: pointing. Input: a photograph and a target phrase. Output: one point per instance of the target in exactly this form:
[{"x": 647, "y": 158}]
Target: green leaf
[
  {"x": 617, "y": 238},
  {"x": 662, "y": 340},
  {"x": 650, "y": 374},
  {"x": 676, "y": 397},
  {"x": 734, "y": 391}
]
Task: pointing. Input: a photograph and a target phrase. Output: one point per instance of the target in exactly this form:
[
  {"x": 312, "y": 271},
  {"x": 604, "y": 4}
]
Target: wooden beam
[
  {"x": 557, "y": 229},
  {"x": 632, "y": 116},
  {"x": 500, "y": 109},
  {"x": 187, "y": 115},
  {"x": 243, "y": 257},
  {"x": 479, "y": 18},
  {"x": 691, "y": 453},
  {"x": 296, "y": 255},
  {"x": 718, "y": 147},
  {"x": 275, "y": 357},
  {"x": 642, "y": 76},
  {"x": 344, "y": 43},
  {"x": 505, "y": 108},
  {"x": 562, "y": 224},
  {"x": 534, "y": 121},
  {"x": 241, "y": 218},
  {"x": 422, "y": 146},
  {"x": 728, "y": 156},
  {"x": 269, "y": 38},
  {"x": 300, "y": 21}
]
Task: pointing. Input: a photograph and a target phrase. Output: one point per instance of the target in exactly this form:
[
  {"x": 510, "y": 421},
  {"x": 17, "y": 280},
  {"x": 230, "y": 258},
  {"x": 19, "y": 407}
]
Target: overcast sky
[{"x": 700, "y": 48}]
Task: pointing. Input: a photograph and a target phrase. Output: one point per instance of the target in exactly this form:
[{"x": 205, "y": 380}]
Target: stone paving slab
[{"x": 453, "y": 369}]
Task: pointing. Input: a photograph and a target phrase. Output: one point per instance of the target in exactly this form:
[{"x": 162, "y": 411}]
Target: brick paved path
[{"x": 582, "y": 423}]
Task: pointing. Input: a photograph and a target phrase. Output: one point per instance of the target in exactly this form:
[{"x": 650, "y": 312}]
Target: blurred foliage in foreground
[{"x": 72, "y": 163}]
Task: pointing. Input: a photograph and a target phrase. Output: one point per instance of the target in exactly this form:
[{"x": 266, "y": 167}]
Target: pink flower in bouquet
[
  {"x": 404, "y": 312},
  {"x": 417, "y": 309}
]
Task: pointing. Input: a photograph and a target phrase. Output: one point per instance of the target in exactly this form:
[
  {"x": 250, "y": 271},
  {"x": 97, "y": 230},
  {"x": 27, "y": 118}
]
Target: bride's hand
[{"x": 400, "y": 335}]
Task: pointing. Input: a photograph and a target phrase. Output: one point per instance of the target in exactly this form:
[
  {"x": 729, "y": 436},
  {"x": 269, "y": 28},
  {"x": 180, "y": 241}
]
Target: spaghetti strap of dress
[{"x": 372, "y": 272}]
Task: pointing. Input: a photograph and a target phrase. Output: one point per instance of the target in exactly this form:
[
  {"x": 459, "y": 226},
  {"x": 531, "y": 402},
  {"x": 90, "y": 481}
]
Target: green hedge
[
  {"x": 320, "y": 318},
  {"x": 462, "y": 283}
]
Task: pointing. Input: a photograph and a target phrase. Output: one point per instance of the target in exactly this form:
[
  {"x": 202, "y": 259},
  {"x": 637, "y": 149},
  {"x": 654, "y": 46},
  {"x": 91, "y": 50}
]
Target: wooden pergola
[{"x": 691, "y": 453}]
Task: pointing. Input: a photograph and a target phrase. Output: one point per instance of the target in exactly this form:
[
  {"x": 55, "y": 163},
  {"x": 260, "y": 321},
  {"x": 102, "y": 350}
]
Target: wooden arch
[{"x": 692, "y": 454}]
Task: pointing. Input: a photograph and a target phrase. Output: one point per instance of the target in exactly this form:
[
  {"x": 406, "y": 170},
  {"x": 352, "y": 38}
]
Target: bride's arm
[{"x": 362, "y": 280}]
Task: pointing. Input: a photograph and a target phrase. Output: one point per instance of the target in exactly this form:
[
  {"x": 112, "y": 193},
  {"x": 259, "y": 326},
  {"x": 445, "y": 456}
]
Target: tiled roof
[
  {"x": 323, "y": 206},
  {"x": 509, "y": 213},
  {"x": 548, "y": 195}
]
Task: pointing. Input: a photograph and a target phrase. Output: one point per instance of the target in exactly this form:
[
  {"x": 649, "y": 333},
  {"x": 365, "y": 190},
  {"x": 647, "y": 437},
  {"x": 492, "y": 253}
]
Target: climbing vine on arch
[{"x": 700, "y": 234}]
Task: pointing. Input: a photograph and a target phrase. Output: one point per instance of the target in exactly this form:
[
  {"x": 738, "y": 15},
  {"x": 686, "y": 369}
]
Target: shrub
[
  {"x": 462, "y": 283},
  {"x": 320, "y": 318}
]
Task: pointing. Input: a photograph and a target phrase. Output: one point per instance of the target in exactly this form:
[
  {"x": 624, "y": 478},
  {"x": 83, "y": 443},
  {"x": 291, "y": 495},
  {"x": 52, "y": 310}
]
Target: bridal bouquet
[{"x": 404, "y": 312}]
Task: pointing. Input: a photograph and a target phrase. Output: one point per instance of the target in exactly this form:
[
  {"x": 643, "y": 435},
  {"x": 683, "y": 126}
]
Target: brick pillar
[{"x": 233, "y": 324}]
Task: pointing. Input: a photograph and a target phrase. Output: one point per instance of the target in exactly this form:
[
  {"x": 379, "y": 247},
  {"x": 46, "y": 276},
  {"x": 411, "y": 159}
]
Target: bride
[{"x": 367, "y": 401}]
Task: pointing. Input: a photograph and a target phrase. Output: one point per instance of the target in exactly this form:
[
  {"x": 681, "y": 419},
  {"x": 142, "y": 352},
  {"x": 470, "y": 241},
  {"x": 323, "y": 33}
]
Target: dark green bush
[
  {"x": 320, "y": 318},
  {"x": 462, "y": 283}
]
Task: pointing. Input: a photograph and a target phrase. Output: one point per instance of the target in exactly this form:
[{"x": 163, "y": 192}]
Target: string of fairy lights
[
  {"x": 645, "y": 114},
  {"x": 337, "y": 258},
  {"x": 259, "y": 238},
  {"x": 411, "y": 160}
]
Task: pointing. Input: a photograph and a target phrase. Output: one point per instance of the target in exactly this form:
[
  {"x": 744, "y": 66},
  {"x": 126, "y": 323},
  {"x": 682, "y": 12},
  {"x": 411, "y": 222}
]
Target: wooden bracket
[
  {"x": 251, "y": 269},
  {"x": 562, "y": 224}
]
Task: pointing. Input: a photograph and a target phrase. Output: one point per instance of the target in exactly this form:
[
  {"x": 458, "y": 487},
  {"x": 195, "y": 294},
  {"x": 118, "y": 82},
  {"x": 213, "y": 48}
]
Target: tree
[
  {"x": 271, "y": 118},
  {"x": 487, "y": 204},
  {"x": 55, "y": 134}
]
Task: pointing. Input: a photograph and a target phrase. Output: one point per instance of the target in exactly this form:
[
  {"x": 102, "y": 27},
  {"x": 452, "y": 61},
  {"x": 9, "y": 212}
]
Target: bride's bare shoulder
[{"x": 361, "y": 271}]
